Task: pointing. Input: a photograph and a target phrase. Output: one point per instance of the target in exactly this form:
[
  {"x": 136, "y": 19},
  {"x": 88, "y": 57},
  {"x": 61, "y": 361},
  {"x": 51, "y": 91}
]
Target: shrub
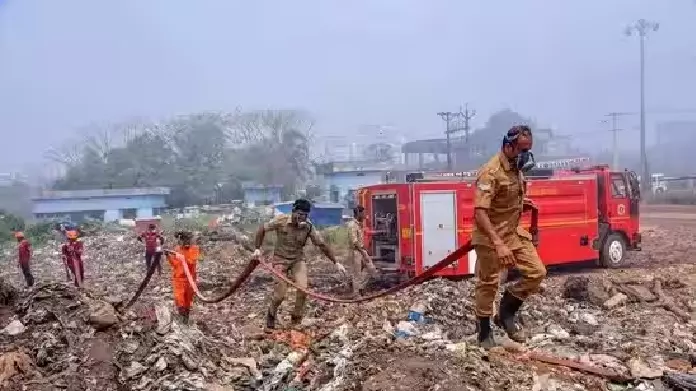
[{"x": 9, "y": 224}]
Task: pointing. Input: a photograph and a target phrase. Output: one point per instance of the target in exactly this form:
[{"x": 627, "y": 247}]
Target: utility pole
[
  {"x": 448, "y": 116},
  {"x": 642, "y": 27},
  {"x": 468, "y": 116},
  {"x": 615, "y": 144}
]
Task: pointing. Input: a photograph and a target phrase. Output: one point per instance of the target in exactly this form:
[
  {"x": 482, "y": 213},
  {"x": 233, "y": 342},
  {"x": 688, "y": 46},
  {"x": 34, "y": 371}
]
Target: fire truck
[{"x": 584, "y": 214}]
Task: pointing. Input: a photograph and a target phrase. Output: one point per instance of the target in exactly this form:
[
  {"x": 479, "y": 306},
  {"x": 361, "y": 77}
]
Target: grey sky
[{"x": 64, "y": 64}]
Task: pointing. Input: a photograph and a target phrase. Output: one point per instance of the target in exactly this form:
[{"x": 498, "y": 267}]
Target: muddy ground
[{"x": 634, "y": 324}]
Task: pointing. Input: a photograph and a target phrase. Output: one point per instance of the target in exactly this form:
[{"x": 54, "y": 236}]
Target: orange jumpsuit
[{"x": 183, "y": 292}]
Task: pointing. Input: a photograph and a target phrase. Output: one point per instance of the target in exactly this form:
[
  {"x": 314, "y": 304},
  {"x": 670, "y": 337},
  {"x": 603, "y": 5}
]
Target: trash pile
[{"x": 592, "y": 329}]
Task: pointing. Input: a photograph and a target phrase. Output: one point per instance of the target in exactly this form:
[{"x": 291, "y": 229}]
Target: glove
[
  {"x": 257, "y": 254},
  {"x": 341, "y": 268}
]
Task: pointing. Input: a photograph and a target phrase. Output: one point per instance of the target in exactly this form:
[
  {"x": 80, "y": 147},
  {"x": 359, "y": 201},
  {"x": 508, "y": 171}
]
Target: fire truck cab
[{"x": 584, "y": 214}]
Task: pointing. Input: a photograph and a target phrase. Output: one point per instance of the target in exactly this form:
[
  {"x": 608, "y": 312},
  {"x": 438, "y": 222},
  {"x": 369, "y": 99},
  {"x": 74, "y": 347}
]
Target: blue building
[
  {"x": 256, "y": 194},
  {"x": 101, "y": 204}
]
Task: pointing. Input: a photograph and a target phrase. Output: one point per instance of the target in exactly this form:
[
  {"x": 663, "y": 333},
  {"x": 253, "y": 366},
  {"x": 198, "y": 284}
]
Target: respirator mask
[{"x": 525, "y": 160}]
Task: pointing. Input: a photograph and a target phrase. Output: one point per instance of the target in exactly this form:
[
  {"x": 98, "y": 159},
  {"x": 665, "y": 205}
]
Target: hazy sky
[{"x": 66, "y": 63}]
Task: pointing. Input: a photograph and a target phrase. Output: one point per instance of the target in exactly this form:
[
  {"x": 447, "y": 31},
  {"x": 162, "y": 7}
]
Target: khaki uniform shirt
[
  {"x": 357, "y": 242},
  {"x": 500, "y": 191},
  {"x": 290, "y": 238}
]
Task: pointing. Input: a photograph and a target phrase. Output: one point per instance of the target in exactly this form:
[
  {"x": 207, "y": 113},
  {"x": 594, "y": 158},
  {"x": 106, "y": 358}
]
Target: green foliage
[
  {"x": 337, "y": 237},
  {"x": 202, "y": 157},
  {"x": 9, "y": 224},
  {"x": 39, "y": 233},
  {"x": 36, "y": 233}
]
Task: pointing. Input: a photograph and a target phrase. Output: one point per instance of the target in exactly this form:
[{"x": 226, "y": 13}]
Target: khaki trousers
[
  {"x": 297, "y": 272},
  {"x": 488, "y": 272},
  {"x": 361, "y": 270}
]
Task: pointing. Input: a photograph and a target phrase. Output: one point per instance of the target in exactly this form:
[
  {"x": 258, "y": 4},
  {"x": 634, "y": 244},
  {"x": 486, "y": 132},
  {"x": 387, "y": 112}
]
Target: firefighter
[
  {"x": 292, "y": 232},
  {"x": 153, "y": 247},
  {"x": 72, "y": 251},
  {"x": 181, "y": 288},
  {"x": 360, "y": 261},
  {"x": 499, "y": 240},
  {"x": 24, "y": 255}
]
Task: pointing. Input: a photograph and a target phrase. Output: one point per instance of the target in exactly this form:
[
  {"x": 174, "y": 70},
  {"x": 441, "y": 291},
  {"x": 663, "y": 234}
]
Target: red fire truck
[{"x": 584, "y": 214}]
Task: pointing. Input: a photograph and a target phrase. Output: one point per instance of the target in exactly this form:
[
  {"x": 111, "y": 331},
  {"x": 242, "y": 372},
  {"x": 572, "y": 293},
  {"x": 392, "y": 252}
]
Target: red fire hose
[
  {"x": 251, "y": 266},
  {"x": 460, "y": 252}
]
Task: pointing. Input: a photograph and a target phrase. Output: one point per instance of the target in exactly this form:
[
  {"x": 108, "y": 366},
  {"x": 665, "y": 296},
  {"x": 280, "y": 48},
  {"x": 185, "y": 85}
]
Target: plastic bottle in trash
[{"x": 417, "y": 312}]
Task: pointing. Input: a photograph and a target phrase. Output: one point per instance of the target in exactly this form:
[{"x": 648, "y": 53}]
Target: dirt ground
[{"x": 634, "y": 321}]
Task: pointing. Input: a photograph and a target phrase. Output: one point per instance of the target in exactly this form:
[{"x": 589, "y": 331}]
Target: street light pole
[{"x": 642, "y": 27}]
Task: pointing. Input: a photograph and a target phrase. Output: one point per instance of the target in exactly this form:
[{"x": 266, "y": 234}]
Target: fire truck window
[{"x": 618, "y": 187}]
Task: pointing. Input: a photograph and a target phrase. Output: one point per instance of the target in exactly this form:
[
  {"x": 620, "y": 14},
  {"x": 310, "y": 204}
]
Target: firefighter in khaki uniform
[
  {"x": 498, "y": 239},
  {"x": 358, "y": 257},
  {"x": 292, "y": 233}
]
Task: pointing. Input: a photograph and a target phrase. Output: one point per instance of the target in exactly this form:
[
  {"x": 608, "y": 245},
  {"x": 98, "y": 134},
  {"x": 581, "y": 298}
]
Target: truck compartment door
[{"x": 439, "y": 224}]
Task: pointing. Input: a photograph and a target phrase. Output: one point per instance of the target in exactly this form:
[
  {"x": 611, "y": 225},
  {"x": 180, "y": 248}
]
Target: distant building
[
  {"x": 470, "y": 152},
  {"x": 340, "y": 180},
  {"x": 10, "y": 178},
  {"x": 256, "y": 194},
  {"x": 100, "y": 204}
]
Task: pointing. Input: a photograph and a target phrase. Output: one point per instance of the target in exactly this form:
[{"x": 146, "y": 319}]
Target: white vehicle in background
[{"x": 658, "y": 183}]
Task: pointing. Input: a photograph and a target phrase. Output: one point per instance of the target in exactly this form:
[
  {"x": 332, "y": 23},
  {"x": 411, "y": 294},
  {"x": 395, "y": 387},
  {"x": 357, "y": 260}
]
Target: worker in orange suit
[
  {"x": 24, "y": 256},
  {"x": 499, "y": 240},
  {"x": 182, "y": 289},
  {"x": 72, "y": 251}
]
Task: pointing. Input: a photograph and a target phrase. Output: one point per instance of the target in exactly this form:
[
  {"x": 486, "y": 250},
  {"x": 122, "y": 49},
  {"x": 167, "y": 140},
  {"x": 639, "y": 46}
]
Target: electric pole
[
  {"x": 448, "y": 116},
  {"x": 468, "y": 116},
  {"x": 615, "y": 144},
  {"x": 642, "y": 27}
]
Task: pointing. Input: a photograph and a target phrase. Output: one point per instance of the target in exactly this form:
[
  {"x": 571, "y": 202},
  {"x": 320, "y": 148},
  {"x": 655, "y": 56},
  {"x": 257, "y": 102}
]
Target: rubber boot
[
  {"x": 505, "y": 319},
  {"x": 295, "y": 320},
  {"x": 485, "y": 336},
  {"x": 184, "y": 315},
  {"x": 270, "y": 320}
]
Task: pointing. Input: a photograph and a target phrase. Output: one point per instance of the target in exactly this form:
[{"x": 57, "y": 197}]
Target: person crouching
[{"x": 182, "y": 289}]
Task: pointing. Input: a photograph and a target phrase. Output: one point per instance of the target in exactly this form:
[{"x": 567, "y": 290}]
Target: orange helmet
[
  {"x": 19, "y": 234},
  {"x": 71, "y": 234}
]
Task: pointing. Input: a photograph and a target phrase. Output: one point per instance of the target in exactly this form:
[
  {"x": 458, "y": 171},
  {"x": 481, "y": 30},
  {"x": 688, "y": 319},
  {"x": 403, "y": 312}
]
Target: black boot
[
  {"x": 184, "y": 315},
  {"x": 505, "y": 319},
  {"x": 295, "y": 320},
  {"x": 270, "y": 320},
  {"x": 485, "y": 336}
]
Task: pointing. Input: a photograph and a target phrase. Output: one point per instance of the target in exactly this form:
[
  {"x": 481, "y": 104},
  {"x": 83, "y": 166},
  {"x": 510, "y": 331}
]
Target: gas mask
[
  {"x": 300, "y": 218},
  {"x": 525, "y": 160}
]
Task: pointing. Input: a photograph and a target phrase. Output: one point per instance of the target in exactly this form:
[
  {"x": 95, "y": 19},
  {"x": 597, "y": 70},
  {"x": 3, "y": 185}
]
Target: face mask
[{"x": 525, "y": 160}]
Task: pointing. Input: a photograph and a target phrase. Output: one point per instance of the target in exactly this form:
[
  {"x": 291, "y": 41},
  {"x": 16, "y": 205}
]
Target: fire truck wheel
[{"x": 614, "y": 251}]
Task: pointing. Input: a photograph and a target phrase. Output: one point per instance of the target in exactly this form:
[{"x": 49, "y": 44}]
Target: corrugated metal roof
[{"x": 97, "y": 193}]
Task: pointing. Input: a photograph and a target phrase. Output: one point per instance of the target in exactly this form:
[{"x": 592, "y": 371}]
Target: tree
[
  {"x": 279, "y": 141},
  {"x": 202, "y": 157},
  {"x": 9, "y": 224}
]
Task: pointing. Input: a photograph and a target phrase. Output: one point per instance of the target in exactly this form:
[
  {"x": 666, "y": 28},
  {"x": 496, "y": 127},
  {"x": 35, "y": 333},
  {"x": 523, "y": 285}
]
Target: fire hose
[{"x": 251, "y": 266}]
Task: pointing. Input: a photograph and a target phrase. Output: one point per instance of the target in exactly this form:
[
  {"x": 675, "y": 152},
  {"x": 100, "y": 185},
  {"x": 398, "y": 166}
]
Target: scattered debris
[{"x": 593, "y": 329}]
